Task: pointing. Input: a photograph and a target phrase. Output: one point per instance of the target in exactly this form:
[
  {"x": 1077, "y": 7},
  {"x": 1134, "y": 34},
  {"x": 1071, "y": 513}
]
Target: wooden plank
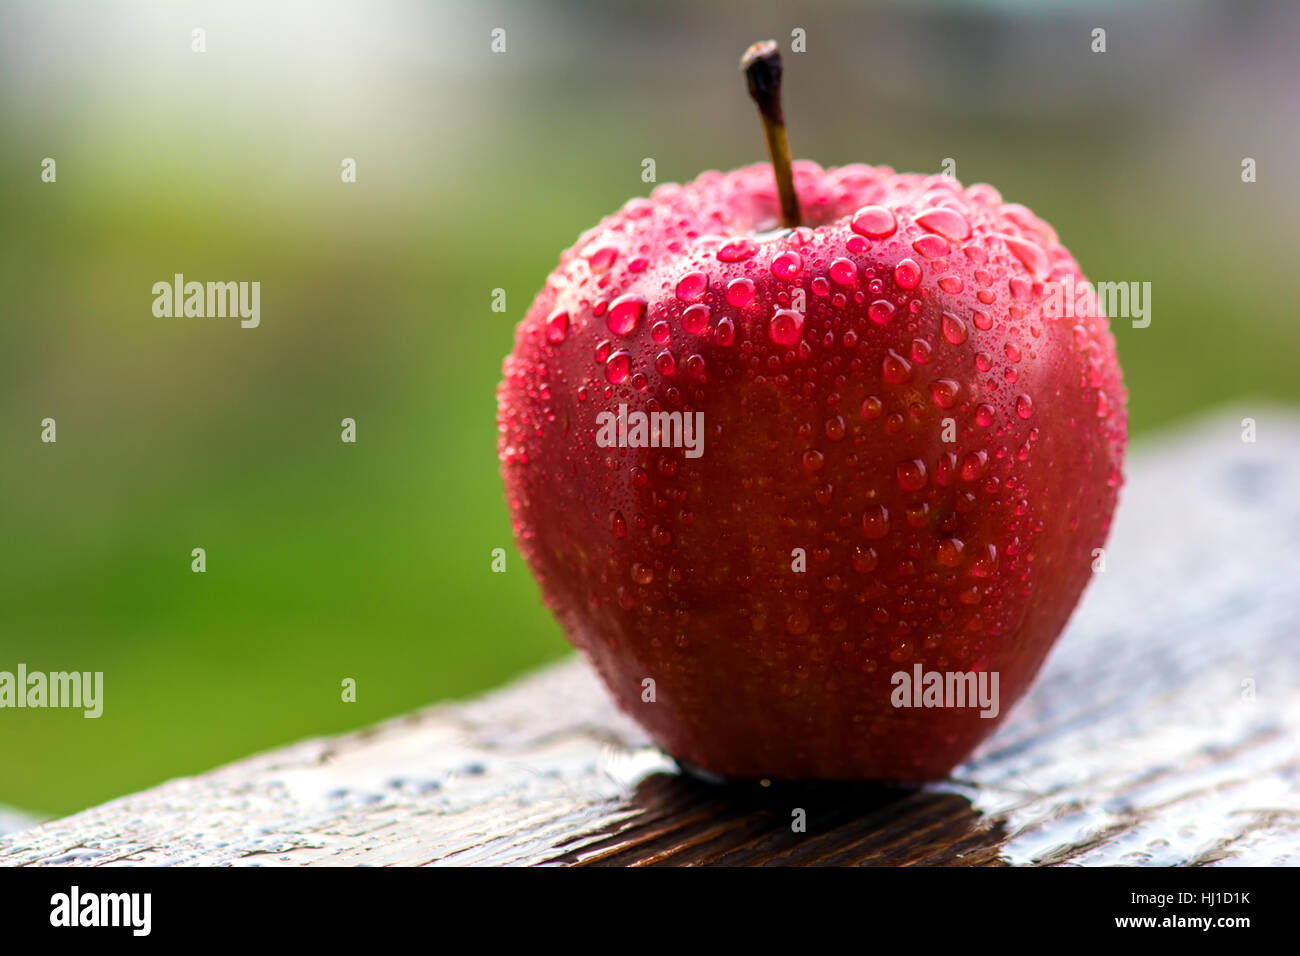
[{"x": 1138, "y": 744}]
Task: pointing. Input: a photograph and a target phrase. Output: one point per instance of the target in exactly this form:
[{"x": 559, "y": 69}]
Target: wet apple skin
[{"x": 962, "y": 556}]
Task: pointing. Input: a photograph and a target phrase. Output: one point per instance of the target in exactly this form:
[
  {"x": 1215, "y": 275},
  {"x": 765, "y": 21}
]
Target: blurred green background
[{"x": 371, "y": 561}]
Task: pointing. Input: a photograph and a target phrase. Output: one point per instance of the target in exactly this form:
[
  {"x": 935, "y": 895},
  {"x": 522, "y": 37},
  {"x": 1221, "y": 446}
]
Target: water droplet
[
  {"x": 692, "y": 285},
  {"x": 820, "y": 286},
  {"x": 725, "y": 333},
  {"x": 907, "y": 274},
  {"x": 985, "y": 563},
  {"x": 865, "y": 559},
  {"x": 951, "y": 284},
  {"x": 949, "y": 553},
  {"x": 1012, "y": 352},
  {"x": 945, "y": 392},
  {"x": 813, "y": 460},
  {"x": 737, "y": 249},
  {"x": 602, "y": 259},
  {"x": 1024, "y": 406},
  {"x": 921, "y": 350},
  {"x": 660, "y": 332},
  {"x": 954, "y": 329},
  {"x": 911, "y": 475},
  {"x": 787, "y": 265},
  {"x": 617, "y": 524},
  {"x": 896, "y": 369},
  {"x": 695, "y": 366},
  {"x": 696, "y": 319},
  {"x": 557, "y": 326},
  {"x": 972, "y": 466},
  {"x": 982, "y": 321},
  {"x": 945, "y": 469},
  {"x": 946, "y": 222},
  {"x": 844, "y": 272},
  {"x": 932, "y": 246},
  {"x": 642, "y": 573},
  {"x": 875, "y": 522},
  {"x": 625, "y": 312},
  {"x": 616, "y": 369},
  {"x": 665, "y": 364},
  {"x": 984, "y": 416},
  {"x": 874, "y": 221},
  {"x": 872, "y": 407},
  {"x": 835, "y": 428},
  {"x": 786, "y": 327},
  {"x": 740, "y": 292},
  {"x": 880, "y": 311},
  {"x": 1030, "y": 254}
]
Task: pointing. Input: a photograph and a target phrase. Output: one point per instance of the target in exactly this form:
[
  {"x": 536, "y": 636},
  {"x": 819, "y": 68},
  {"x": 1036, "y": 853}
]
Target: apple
[{"x": 781, "y": 443}]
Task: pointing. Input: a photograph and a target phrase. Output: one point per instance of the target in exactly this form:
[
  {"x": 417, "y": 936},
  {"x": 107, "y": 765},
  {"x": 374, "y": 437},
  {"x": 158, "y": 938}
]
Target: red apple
[{"x": 880, "y": 391}]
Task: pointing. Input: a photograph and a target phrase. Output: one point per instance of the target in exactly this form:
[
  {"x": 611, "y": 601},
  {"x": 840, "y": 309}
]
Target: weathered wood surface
[{"x": 1138, "y": 745}]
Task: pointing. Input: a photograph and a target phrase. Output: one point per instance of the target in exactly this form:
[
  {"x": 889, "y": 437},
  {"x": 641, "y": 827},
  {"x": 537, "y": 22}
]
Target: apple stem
[{"x": 761, "y": 65}]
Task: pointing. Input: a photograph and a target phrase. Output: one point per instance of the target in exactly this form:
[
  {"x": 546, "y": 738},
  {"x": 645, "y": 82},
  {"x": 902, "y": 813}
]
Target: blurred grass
[{"x": 371, "y": 561}]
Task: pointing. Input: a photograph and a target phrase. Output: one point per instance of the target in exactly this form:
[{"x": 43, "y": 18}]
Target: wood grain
[{"x": 1140, "y": 744}]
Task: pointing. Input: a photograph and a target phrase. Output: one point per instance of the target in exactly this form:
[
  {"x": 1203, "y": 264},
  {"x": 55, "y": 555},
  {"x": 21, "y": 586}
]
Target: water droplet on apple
[
  {"x": 695, "y": 320},
  {"x": 911, "y": 475},
  {"x": 874, "y": 221},
  {"x": 954, "y": 329},
  {"x": 875, "y": 522},
  {"x": 725, "y": 333},
  {"x": 880, "y": 311},
  {"x": 972, "y": 466},
  {"x": 844, "y": 272},
  {"x": 602, "y": 259},
  {"x": 692, "y": 285},
  {"x": 625, "y": 312},
  {"x": 740, "y": 292},
  {"x": 932, "y": 246},
  {"x": 945, "y": 392},
  {"x": 1030, "y": 254},
  {"x": 616, "y": 369},
  {"x": 896, "y": 369},
  {"x": 950, "y": 552},
  {"x": 907, "y": 274},
  {"x": 557, "y": 326},
  {"x": 786, "y": 327},
  {"x": 736, "y": 250},
  {"x": 946, "y": 222},
  {"x": 787, "y": 265}
]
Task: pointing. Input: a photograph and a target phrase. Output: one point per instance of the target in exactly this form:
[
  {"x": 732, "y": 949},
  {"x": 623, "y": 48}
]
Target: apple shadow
[{"x": 686, "y": 820}]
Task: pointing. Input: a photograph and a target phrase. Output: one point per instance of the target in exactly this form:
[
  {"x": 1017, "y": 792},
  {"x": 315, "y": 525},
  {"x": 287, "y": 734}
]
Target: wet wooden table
[{"x": 1165, "y": 729}]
